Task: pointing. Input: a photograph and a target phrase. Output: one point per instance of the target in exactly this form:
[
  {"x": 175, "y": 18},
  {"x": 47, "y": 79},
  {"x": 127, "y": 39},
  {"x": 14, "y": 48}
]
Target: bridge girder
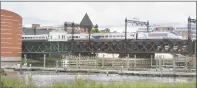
[{"x": 109, "y": 46}]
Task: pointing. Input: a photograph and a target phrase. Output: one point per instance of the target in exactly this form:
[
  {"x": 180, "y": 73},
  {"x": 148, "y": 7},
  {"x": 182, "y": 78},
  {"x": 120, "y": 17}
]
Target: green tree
[{"x": 95, "y": 29}]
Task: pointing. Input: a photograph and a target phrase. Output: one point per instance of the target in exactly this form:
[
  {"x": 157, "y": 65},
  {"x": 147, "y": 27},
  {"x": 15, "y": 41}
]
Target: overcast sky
[{"x": 105, "y": 14}]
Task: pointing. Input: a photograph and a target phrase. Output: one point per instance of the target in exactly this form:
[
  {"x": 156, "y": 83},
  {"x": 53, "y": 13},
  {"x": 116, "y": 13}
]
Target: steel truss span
[{"x": 109, "y": 46}]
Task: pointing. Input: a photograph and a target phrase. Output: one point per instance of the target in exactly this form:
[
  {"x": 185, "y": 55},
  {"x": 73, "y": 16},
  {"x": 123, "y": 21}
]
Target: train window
[
  {"x": 114, "y": 35},
  {"x": 106, "y": 36},
  {"x": 117, "y": 35}
]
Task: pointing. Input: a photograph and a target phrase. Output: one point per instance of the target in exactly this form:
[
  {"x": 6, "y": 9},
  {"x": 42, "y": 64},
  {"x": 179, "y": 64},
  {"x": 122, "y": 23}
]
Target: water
[{"x": 43, "y": 78}]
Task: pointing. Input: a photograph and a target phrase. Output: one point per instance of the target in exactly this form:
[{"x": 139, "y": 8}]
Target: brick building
[{"x": 11, "y": 36}]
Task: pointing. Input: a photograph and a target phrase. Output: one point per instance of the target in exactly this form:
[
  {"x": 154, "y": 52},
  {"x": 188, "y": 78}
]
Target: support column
[
  {"x": 195, "y": 57},
  {"x": 25, "y": 57},
  {"x": 128, "y": 62},
  {"x": 186, "y": 61},
  {"x": 44, "y": 60},
  {"x": 163, "y": 62},
  {"x": 151, "y": 57},
  {"x": 103, "y": 62},
  {"x": 174, "y": 63},
  {"x": 160, "y": 64},
  {"x": 157, "y": 63},
  {"x": 135, "y": 62},
  {"x": 56, "y": 65},
  {"x": 76, "y": 59},
  {"x": 113, "y": 60},
  {"x": 79, "y": 61},
  {"x": 95, "y": 58}
]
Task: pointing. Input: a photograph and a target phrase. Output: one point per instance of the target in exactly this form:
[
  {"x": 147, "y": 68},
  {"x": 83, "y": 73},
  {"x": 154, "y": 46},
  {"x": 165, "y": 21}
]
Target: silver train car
[{"x": 133, "y": 35}]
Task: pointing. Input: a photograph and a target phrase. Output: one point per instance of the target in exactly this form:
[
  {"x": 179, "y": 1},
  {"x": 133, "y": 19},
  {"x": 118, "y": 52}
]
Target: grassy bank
[{"x": 80, "y": 83}]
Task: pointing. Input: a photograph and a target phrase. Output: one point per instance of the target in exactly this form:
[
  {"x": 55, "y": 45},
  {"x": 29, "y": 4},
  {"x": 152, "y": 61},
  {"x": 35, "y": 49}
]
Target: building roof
[
  {"x": 86, "y": 21},
  {"x": 30, "y": 31}
]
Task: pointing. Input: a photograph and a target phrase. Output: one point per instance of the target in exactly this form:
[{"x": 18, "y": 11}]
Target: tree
[
  {"x": 107, "y": 30},
  {"x": 95, "y": 29}
]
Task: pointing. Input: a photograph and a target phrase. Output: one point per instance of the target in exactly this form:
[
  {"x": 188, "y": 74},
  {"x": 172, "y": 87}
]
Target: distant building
[
  {"x": 144, "y": 29},
  {"x": 183, "y": 31},
  {"x": 77, "y": 28}
]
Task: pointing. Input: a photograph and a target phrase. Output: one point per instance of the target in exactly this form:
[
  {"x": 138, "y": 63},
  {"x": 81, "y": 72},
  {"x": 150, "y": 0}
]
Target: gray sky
[{"x": 105, "y": 14}]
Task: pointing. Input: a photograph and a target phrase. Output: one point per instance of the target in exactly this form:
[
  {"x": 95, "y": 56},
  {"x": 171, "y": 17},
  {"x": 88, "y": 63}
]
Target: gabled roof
[{"x": 86, "y": 21}]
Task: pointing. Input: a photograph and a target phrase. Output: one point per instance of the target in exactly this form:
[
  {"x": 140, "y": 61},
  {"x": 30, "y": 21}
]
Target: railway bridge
[
  {"x": 126, "y": 46},
  {"x": 147, "y": 47}
]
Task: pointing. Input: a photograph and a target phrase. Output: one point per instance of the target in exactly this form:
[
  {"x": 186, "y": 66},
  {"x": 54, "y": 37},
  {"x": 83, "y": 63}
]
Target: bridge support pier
[
  {"x": 25, "y": 57},
  {"x": 186, "y": 61},
  {"x": 128, "y": 62},
  {"x": 79, "y": 61},
  {"x": 174, "y": 63},
  {"x": 135, "y": 62},
  {"x": 103, "y": 62},
  {"x": 44, "y": 60}
]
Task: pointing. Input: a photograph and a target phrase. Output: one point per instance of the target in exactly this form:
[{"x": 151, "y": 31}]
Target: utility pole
[
  {"x": 190, "y": 21},
  {"x": 72, "y": 36},
  {"x": 126, "y": 36},
  {"x": 136, "y": 22}
]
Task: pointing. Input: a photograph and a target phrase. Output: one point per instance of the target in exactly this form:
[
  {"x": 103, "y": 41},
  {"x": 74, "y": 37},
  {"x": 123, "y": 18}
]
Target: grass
[{"x": 80, "y": 83}]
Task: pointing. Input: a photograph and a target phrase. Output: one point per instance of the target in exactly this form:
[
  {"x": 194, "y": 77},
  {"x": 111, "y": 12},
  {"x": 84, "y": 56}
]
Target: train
[
  {"x": 131, "y": 35},
  {"x": 103, "y": 36}
]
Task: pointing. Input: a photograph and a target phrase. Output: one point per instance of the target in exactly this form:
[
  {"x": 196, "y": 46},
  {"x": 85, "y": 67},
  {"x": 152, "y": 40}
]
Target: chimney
[{"x": 34, "y": 26}]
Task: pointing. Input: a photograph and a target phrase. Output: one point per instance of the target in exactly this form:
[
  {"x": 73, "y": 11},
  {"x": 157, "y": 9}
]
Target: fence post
[
  {"x": 160, "y": 63},
  {"x": 174, "y": 63},
  {"x": 113, "y": 60},
  {"x": 79, "y": 61},
  {"x": 44, "y": 60},
  {"x": 135, "y": 62},
  {"x": 103, "y": 61},
  {"x": 56, "y": 65},
  {"x": 128, "y": 62},
  {"x": 25, "y": 56},
  {"x": 195, "y": 58},
  {"x": 151, "y": 57},
  {"x": 186, "y": 60},
  {"x": 76, "y": 61},
  {"x": 156, "y": 63},
  {"x": 95, "y": 58}
]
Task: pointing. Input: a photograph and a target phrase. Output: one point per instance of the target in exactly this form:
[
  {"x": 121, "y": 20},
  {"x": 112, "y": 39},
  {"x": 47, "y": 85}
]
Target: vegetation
[
  {"x": 80, "y": 83},
  {"x": 95, "y": 30}
]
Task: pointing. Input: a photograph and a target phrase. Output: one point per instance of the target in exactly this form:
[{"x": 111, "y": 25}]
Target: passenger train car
[
  {"x": 133, "y": 35},
  {"x": 101, "y": 36}
]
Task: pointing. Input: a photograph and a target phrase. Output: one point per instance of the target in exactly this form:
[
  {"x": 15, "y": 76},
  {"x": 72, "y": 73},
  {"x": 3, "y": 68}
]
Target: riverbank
[{"x": 81, "y": 83}]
